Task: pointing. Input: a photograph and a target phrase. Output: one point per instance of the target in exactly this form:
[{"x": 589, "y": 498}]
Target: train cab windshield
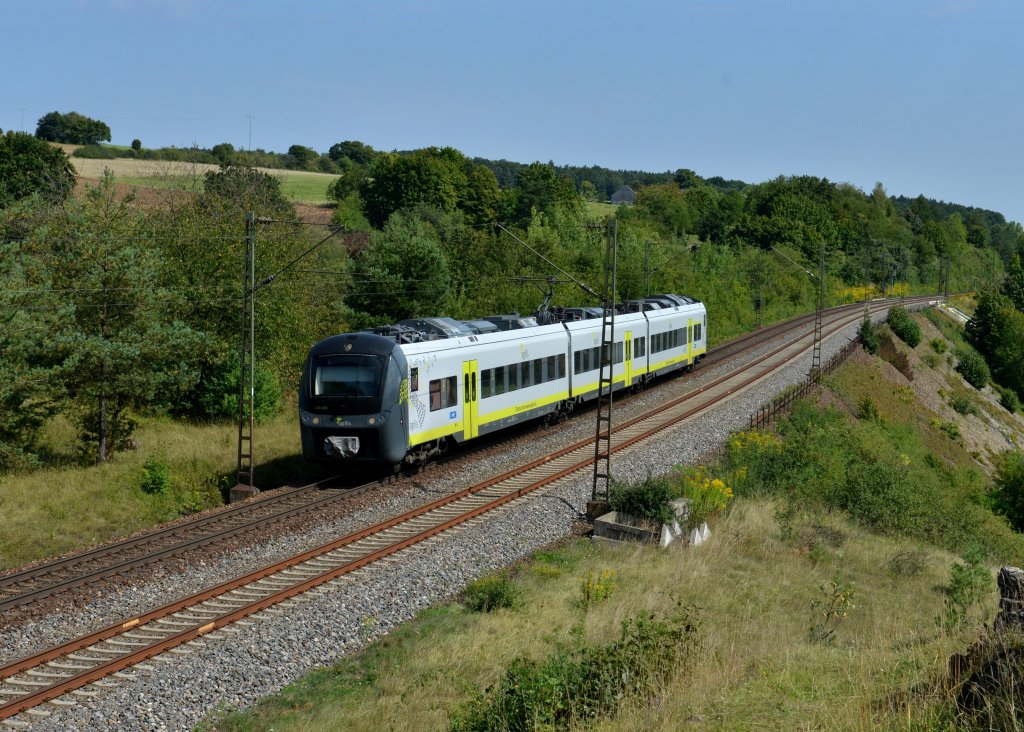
[{"x": 347, "y": 376}]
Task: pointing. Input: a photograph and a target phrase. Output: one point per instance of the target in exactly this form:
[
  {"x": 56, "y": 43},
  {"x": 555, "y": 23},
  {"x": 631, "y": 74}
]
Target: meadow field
[{"x": 298, "y": 186}]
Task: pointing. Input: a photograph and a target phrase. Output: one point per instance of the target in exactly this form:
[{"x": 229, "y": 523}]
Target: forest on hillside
[{"x": 113, "y": 310}]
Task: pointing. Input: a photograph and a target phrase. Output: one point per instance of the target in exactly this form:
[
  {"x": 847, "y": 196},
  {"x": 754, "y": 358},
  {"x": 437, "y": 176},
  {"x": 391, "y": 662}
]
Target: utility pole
[
  {"x": 250, "y": 131},
  {"x": 246, "y": 486},
  {"x": 647, "y": 268},
  {"x": 816, "y": 351},
  {"x": 759, "y": 274},
  {"x": 603, "y": 440}
]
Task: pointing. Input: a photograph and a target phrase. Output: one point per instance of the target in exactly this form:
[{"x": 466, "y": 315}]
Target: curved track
[
  {"x": 67, "y": 573},
  {"x": 48, "y": 675}
]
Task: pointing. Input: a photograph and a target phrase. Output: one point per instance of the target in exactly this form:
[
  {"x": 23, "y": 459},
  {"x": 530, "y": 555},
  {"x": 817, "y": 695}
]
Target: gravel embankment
[{"x": 277, "y": 648}]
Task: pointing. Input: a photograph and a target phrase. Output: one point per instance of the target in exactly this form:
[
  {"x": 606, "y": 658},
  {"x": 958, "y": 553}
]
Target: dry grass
[
  {"x": 60, "y": 509},
  {"x": 758, "y": 668}
]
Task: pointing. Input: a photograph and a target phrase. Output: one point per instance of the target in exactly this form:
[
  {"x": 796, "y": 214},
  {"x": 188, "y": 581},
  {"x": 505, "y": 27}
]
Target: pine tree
[{"x": 121, "y": 349}]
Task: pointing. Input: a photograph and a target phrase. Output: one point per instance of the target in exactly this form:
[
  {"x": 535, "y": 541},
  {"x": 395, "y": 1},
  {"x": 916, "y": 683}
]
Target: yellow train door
[
  {"x": 627, "y": 365},
  {"x": 470, "y": 413}
]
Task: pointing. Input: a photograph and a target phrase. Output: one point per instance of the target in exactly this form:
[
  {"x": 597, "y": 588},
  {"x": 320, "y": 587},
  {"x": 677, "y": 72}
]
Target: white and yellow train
[{"x": 406, "y": 392}]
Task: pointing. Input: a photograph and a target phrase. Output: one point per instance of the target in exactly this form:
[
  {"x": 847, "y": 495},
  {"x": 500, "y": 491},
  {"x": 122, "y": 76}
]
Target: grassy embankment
[
  {"x": 66, "y": 507},
  {"x": 759, "y": 587}
]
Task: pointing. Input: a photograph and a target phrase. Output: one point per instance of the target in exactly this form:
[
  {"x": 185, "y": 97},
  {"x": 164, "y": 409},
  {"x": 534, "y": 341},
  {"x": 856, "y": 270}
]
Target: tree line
[{"x": 110, "y": 310}]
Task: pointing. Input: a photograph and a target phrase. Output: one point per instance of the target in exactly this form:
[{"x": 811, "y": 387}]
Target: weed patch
[{"x": 491, "y": 593}]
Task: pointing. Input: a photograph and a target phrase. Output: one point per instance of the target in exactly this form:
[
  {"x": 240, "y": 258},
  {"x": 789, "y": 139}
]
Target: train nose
[{"x": 341, "y": 446}]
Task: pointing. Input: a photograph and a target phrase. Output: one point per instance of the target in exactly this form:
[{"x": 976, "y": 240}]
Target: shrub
[
  {"x": 938, "y": 345},
  {"x": 491, "y": 593},
  {"x": 951, "y": 430},
  {"x": 972, "y": 367},
  {"x": 594, "y": 589},
  {"x": 1008, "y": 488},
  {"x": 1009, "y": 399},
  {"x": 867, "y": 409},
  {"x": 156, "y": 478},
  {"x": 649, "y": 499},
  {"x": 962, "y": 404},
  {"x": 868, "y": 336},
  {"x": 215, "y": 396},
  {"x": 905, "y": 328},
  {"x": 829, "y": 610},
  {"x": 707, "y": 495},
  {"x": 970, "y": 581},
  {"x": 575, "y": 686}
]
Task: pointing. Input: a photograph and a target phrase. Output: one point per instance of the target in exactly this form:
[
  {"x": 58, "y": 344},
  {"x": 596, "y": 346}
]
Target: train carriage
[{"x": 405, "y": 392}]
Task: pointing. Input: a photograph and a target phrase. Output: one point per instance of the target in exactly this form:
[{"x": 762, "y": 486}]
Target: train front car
[{"x": 353, "y": 400}]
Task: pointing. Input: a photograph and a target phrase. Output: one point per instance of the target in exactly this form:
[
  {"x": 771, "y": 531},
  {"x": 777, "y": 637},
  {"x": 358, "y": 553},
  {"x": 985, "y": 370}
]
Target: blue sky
[{"x": 922, "y": 95}]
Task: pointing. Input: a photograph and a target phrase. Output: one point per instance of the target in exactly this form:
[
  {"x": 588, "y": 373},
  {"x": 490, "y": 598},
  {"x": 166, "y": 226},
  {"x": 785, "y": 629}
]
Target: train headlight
[
  {"x": 315, "y": 420},
  {"x": 371, "y": 420}
]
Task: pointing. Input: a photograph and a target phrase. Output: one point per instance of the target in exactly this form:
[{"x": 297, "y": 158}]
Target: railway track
[
  {"x": 67, "y": 573},
  {"x": 220, "y": 611}
]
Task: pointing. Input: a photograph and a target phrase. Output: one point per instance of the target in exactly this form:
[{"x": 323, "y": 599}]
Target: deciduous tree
[
  {"x": 28, "y": 166},
  {"x": 72, "y": 128}
]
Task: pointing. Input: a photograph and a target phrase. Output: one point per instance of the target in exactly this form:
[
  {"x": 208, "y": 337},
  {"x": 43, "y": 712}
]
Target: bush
[
  {"x": 962, "y": 404},
  {"x": 1009, "y": 399},
  {"x": 938, "y": 345},
  {"x": 867, "y": 409},
  {"x": 972, "y": 367},
  {"x": 1008, "y": 488},
  {"x": 905, "y": 328},
  {"x": 970, "y": 581},
  {"x": 491, "y": 593},
  {"x": 156, "y": 478},
  {"x": 576, "y": 686},
  {"x": 594, "y": 589},
  {"x": 707, "y": 496},
  {"x": 215, "y": 396},
  {"x": 649, "y": 499},
  {"x": 868, "y": 336}
]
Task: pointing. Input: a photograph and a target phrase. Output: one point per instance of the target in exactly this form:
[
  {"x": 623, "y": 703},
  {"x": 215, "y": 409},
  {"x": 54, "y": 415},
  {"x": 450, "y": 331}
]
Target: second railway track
[
  {"x": 48, "y": 675},
  {"x": 78, "y": 570}
]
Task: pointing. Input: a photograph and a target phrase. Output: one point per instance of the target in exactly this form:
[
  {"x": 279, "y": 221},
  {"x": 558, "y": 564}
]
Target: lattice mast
[{"x": 603, "y": 440}]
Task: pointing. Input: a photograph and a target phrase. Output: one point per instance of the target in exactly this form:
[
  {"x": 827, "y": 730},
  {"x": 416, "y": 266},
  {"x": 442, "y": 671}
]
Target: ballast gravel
[{"x": 235, "y": 667}]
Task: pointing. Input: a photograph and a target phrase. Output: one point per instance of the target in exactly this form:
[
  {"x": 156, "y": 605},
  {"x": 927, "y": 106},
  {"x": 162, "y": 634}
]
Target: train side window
[
  {"x": 577, "y": 362},
  {"x": 638, "y": 347},
  {"x": 499, "y": 380},
  {"x": 486, "y": 377},
  {"x": 550, "y": 373},
  {"x": 444, "y": 393},
  {"x": 561, "y": 366},
  {"x": 538, "y": 371},
  {"x": 618, "y": 352},
  {"x": 513, "y": 377},
  {"x": 525, "y": 374},
  {"x": 414, "y": 380}
]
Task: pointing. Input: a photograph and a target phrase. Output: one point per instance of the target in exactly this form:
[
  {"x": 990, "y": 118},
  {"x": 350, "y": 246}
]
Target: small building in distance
[{"x": 625, "y": 195}]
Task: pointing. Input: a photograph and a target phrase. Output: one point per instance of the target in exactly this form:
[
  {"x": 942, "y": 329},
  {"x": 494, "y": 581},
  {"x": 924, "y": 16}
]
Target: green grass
[
  {"x": 305, "y": 187},
  {"x": 757, "y": 667},
  {"x": 66, "y": 507},
  {"x": 758, "y": 588},
  {"x": 600, "y": 211}
]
